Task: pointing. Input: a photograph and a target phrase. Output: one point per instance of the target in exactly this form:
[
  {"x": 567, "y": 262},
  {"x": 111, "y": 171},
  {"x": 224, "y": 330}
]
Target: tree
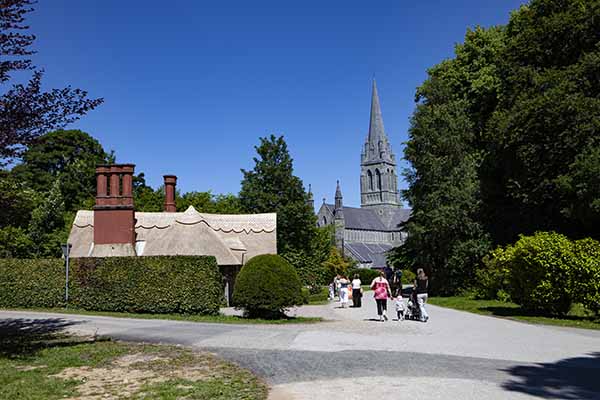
[
  {"x": 504, "y": 140},
  {"x": 335, "y": 263},
  {"x": 70, "y": 155},
  {"x": 17, "y": 201},
  {"x": 272, "y": 187},
  {"x": 210, "y": 203},
  {"x": 47, "y": 223},
  {"x": 26, "y": 111}
]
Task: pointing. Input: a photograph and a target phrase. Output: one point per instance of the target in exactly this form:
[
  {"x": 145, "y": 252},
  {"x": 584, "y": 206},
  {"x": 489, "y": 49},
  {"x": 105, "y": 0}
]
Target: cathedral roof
[
  {"x": 367, "y": 219},
  {"x": 374, "y": 253}
]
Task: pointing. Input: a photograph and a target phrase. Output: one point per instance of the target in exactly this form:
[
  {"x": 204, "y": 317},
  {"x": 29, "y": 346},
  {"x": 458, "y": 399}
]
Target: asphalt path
[{"x": 455, "y": 354}]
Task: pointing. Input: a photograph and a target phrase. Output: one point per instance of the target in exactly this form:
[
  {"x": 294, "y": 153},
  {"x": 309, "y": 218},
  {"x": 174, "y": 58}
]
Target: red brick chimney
[
  {"x": 114, "y": 218},
  {"x": 170, "y": 182}
]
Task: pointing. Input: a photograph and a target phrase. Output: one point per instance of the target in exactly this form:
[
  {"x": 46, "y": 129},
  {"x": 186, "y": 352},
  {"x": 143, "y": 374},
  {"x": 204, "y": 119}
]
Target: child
[
  {"x": 331, "y": 291},
  {"x": 400, "y": 308}
]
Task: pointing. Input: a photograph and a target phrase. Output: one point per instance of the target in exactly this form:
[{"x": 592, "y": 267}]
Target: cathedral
[{"x": 369, "y": 232}]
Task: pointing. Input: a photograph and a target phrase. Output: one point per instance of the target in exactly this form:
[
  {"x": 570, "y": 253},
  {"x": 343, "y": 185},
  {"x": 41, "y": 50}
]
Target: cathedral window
[
  {"x": 370, "y": 176},
  {"x": 378, "y": 174}
]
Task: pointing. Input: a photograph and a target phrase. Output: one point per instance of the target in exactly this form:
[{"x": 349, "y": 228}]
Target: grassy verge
[
  {"x": 221, "y": 319},
  {"x": 37, "y": 362},
  {"x": 577, "y": 317}
]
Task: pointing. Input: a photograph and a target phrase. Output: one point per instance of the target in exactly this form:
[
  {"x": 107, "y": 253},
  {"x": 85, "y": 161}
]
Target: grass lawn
[
  {"x": 577, "y": 317},
  {"x": 221, "y": 319},
  {"x": 36, "y": 362}
]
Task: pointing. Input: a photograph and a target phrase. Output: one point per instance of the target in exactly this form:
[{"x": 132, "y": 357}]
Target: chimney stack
[
  {"x": 170, "y": 183},
  {"x": 114, "y": 218}
]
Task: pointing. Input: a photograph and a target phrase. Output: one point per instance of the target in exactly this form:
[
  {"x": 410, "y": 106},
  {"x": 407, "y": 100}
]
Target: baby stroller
[{"x": 412, "y": 310}]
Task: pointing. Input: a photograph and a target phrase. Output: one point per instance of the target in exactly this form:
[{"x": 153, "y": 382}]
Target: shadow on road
[
  {"x": 568, "y": 379},
  {"x": 22, "y": 337}
]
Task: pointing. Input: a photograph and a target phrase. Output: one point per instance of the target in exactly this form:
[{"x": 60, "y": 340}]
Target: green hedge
[
  {"x": 366, "y": 275},
  {"x": 178, "y": 284}
]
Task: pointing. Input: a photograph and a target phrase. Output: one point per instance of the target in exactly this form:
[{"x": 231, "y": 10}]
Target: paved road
[{"x": 456, "y": 354}]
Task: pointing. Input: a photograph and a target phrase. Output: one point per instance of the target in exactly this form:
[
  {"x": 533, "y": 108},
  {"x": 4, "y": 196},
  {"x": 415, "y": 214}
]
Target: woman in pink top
[{"x": 382, "y": 292}]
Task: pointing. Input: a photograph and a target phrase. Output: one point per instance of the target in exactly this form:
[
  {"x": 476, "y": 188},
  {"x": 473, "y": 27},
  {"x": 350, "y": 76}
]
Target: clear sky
[{"x": 190, "y": 86}]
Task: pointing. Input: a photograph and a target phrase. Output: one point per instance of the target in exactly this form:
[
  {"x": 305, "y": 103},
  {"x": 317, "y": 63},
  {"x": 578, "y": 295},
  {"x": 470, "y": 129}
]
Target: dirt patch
[{"x": 126, "y": 375}]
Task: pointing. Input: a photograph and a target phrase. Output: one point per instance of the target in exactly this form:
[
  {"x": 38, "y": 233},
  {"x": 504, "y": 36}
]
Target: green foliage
[
  {"x": 335, "y": 264},
  {"x": 210, "y": 203},
  {"x": 541, "y": 270},
  {"x": 32, "y": 283},
  {"x": 493, "y": 279},
  {"x": 366, "y": 275},
  {"x": 266, "y": 286},
  {"x": 586, "y": 282},
  {"x": 15, "y": 243},
  {"x": 47, "y": 223},
  {"x": 272, "y": 187},
  {"x": 504, "y": 141},
  {"x": 408, "y": 276},
  {"x": 309, "y": 266},
  {"x": 178, "y": 284},
  {"x": 70, "y": 156},
  {"x": 17, "y": 201}
]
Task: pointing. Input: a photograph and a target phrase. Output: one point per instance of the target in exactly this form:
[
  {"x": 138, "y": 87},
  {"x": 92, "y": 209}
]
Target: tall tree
[
  {"x": 504, "y": 139},
  {"x": 69, "y": 155},
  {"x": 272, "y": 187},
  {"x": 27, "y": 111}
]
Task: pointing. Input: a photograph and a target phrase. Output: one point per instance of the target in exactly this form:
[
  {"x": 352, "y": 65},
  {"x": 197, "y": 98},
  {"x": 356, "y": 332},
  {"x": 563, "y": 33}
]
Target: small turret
[{"x": 310, "y": 200}]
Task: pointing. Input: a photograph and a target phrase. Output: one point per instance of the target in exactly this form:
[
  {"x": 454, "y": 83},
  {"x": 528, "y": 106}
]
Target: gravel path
[{"x": 454, "y": 354}]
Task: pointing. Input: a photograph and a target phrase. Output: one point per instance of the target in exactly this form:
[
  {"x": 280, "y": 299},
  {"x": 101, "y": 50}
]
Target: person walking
[
  {"x": 356, "y": 292},
  {"x": 344, "y": 283},
  {"x": 421, "y": 286},
  {"x": 381, "y": 286},
  {"x": 397, "y": 283}
]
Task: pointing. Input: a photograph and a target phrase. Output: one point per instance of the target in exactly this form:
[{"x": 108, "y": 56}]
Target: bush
[
  {"x": 492, "y": 280},
  {"x": 540, "y": 273},
  {"x": 408, "y": 276},
  {"x": 179, "y": 284},
  {"x": 586, "y": 282},
  {"x": 266, "y": 286},
  {"x": 366, "y": 275}
]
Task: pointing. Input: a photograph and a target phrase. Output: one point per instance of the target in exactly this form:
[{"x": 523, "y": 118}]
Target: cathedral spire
[
  {"x": 377, "y": 146},
  {"x": 376, "y": 131}
]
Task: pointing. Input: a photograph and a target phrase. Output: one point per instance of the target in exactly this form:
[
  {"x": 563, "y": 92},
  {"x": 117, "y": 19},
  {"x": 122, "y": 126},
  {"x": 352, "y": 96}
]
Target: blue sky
[{"x": 190, "y": 86}]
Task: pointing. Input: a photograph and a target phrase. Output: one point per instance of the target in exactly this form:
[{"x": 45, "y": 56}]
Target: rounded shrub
[
  {"x": 540, "y": 273},
  {"x": 266, "y": 286}
]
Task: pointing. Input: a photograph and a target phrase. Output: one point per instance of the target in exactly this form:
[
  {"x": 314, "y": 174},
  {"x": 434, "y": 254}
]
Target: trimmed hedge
[
  {"x": 266, "y": 286},
  {"x": 32, "y": 283},
  {"x": 169, "y": 284},
  {"x": 366, "y": 275}
]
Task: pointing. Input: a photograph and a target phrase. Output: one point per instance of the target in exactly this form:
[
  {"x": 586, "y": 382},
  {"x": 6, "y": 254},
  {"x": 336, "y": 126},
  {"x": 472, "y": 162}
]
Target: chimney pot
[{"x": 170, "y": 183}]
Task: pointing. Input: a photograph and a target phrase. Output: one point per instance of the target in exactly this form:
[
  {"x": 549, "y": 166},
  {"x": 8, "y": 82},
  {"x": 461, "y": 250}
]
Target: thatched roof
[{"x": 230, "y": 238}]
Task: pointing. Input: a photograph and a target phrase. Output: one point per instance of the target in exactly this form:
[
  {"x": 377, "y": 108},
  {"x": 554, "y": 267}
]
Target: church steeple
[
  {"x": 377, "y": 146},
  {"x": 378, "y": 180},
  {"x": 338, "y": 218}
]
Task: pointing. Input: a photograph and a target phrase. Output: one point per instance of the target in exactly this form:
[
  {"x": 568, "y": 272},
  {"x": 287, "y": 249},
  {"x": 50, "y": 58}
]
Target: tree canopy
[
  {"x": 505, "y": 140},
  {"x": 271, "y": 186}
]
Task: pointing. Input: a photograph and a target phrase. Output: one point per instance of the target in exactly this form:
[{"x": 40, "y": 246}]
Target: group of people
[
  {"x": 383, "y": 291},
  {"x": 346, "y": 290}
]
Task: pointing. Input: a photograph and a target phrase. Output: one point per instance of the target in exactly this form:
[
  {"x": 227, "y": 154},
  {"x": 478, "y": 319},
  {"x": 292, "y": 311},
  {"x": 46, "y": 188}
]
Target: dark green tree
[
  {"x": 272, "y": 187},
  {"x": 69, "y": 155}
]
